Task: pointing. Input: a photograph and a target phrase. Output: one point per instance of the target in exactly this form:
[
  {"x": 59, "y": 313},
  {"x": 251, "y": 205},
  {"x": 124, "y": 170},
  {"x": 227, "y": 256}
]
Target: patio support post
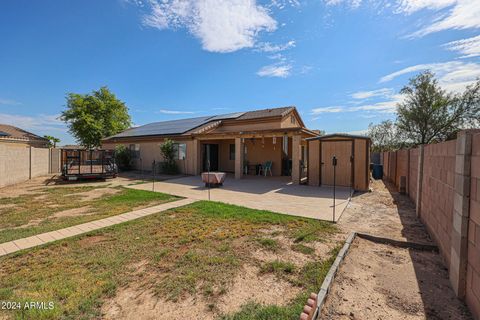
[
  {"x": 239, "y": 158},
  {"x": 296, "y": 150},
  {"x": 197, "y": 157}
]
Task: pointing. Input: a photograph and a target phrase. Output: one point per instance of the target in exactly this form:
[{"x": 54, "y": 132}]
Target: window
[
  {"x": 292, "y": 119},
  {"x": 232, "y": 152},
  {"x": 180, "y": 151},
  {"x": 135, "y": 150}
]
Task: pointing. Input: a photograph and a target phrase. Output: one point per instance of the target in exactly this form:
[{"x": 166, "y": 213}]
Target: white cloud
[
  {"x": 221, "y": 25},
  {"x": 411, "y": 6},
  {"x": 270, "y": 47},
  {"x": 357, "y": 132},
  {"x": 384, "y": 92},
  {"x": 351, "y": 3},
  {"x": 335, "y": 109},
  {"x": 40, "y": 122},
  {"x": 281, "y": 70},
  {"x": 452, "y": 14},
  {"x": 388, "y": 106},
  {"x": 282, "y": 4},
  {"x": 452, "y": 75},
  {"x": 463, "y": 14},
  {"x": 469, "y": 47},
  {"x": 9, "y": 102},
  {"x": 165, "y": 111}
]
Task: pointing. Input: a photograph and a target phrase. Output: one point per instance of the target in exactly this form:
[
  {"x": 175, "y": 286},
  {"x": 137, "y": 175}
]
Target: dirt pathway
[{"x": 378, "y": 281}]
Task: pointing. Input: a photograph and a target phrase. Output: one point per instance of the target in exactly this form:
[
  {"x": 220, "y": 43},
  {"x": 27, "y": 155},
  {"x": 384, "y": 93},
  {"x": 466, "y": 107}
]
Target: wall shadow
[{"x": 429, "y": 266}]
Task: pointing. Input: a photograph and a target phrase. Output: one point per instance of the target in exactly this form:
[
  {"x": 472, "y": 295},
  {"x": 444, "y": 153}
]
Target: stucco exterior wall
[
  {"x": 259, "y": 152},
  {"x": 150, "y": 151}
]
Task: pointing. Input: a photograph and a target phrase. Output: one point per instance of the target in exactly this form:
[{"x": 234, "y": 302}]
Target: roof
[
  {"x": 266, "y": 113},
  {"x": 182, "y": 126},
  {"x": 72, "y": 147},
  {"x": 339, "y": 135},
  {"x": 12, "y": 132}
]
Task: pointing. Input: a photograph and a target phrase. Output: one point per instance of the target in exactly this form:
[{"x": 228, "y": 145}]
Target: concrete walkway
[{"x": 43, "y": 238}]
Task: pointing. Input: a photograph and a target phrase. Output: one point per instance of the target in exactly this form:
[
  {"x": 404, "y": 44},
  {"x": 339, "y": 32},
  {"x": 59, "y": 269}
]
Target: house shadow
[
  {"x": 429, "y": 266},
  {"x": 260, "y": 185}
]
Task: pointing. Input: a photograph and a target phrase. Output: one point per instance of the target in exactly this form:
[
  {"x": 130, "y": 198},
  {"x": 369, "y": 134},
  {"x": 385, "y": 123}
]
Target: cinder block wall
[
  {"x": 412, "y": 177},
  {"x": 449, "y": 205},
  {"x": 438, "y": 192},
  {"x": 14, "y": 163},
  {"x": 402, "y": 166},
  {"x": 40, "y": 161},
  {"x": 472, "y": 294},
  {"x": 20, "y": 162}
]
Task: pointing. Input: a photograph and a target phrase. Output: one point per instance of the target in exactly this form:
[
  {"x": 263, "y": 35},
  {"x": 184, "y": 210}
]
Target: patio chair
[{"x": 266, "y": 167}]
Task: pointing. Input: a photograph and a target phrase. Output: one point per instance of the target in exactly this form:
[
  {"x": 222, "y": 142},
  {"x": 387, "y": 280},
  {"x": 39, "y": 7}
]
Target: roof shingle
[{"x": 9, "y": 131}]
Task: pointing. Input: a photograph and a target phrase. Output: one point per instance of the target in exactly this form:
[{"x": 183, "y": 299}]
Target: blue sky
[{"x": 341, "y": 62}]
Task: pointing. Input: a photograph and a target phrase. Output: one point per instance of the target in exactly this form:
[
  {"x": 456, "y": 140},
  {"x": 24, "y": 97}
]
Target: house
[
  {"x": 235, "y": 142},
  {"x": 12, "y": 134}
]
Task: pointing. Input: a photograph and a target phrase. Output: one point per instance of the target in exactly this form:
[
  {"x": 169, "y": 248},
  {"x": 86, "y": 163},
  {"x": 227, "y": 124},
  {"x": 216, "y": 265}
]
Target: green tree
[
  {"x": 430, "y": 114},
  {"x": 168, "y": 151},
  {"x": 385, "y": 136},
  {"x": 92, "y": 117},
  {"x": 52, "y": 141}
]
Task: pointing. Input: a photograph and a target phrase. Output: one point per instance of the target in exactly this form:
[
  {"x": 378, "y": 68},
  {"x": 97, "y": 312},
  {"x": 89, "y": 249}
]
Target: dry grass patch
[
  {"x": 51, "y": 208},
  {"x": 198, "y": 254}
]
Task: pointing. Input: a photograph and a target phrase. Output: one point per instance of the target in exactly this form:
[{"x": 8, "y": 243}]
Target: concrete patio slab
[{"x": 276, "y": 194}]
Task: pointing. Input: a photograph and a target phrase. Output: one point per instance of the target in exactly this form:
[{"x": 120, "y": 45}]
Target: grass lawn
[
  {"x": 196, "y": 250},
  {"x": 53, "y": 208}
]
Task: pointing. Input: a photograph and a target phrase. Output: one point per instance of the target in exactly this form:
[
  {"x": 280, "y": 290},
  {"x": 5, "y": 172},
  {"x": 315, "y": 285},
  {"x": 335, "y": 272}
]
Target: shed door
[{"x": 343, "y": 151}]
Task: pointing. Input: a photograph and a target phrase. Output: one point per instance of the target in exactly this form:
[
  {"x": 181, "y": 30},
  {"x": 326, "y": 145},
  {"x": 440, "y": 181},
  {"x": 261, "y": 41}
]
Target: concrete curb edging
[
  {"x": 399, "y": 243},
  {"x": 327, "y": 282}
]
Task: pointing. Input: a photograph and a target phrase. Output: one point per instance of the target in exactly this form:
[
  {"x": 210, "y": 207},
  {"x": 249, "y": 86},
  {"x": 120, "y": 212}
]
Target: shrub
[
  {"x": 123, "y": 157},
  {"x": 168, "y": 151}
]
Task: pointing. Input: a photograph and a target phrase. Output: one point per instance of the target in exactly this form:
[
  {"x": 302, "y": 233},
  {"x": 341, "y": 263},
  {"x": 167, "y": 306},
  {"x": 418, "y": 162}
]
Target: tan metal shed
[{"x": 353, "y": 160}]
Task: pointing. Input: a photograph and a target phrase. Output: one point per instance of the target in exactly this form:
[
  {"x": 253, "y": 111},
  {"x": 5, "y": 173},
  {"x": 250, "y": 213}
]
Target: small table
[
  {"x": 255, "y": 167},
  {"x": 213, "y": 179}
]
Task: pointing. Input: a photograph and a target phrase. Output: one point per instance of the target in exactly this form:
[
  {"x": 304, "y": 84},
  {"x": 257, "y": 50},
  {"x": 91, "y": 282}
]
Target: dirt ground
[
  {"x": 138, "y": 300},
  {"x": 378, "y": 281}
]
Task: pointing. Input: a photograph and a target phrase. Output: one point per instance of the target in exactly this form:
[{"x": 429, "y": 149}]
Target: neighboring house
[
  {"x": 232, "y": 142},
  {"x": 11, "y": 134},
  {"x": 72, "y": 147}
]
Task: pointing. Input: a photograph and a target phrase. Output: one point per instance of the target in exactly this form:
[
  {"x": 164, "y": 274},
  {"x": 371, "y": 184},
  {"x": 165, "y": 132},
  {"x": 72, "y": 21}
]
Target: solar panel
[
  {"x": 4, "y": 134},
  {"x": 165, "y": 127},
  {"x": 227, "y": 116},
  {"x": 174, "y": 126}
]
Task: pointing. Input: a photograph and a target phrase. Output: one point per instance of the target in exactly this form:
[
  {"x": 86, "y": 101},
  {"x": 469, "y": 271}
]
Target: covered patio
[
  {"x": 276, "y": 194},
  {"x": 243, "y": 154}
]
